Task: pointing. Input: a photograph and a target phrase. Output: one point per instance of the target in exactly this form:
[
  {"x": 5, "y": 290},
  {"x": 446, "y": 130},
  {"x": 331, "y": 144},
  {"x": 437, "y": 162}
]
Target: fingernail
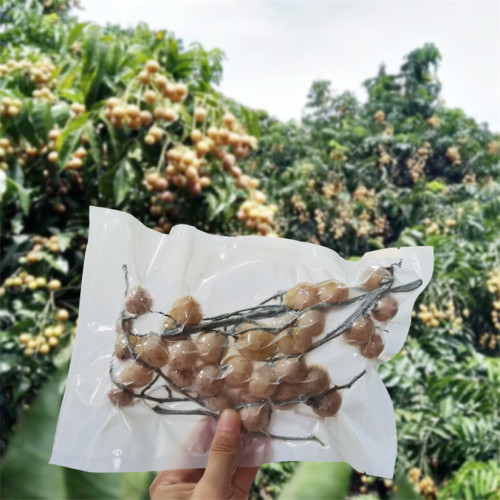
[{"x": 229, "y": 421}]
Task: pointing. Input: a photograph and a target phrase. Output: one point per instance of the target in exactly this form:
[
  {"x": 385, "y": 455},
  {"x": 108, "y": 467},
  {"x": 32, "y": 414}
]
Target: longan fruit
[
  {"x": 263, "y": 383},
  {"x": 316, "y": 381},
  {"x": 183, "y": 354},
  {"x": 332, "y": 292},
  {"x": 375, "y": 278},
  {"x": 255, "y": 418},
  {"x": 373, "y": 347},
  {"x": 182, "y": 378},
  {"x": 385, "y": 309},
  {"x": 294, "y": 341},
  {"x": 120, "y": 398},
  {"x": 168, "y": 323},
  {"x": 291, "y": 370},
  {"x": 196, "y": 135},
  {"x": 328, "y": 405},
  {"x": 257, "y": 345},
  {"x": 138, "y": 301},
  {"x": 153, "y": 350},
  {"x": 210, "y": 346},
  {"x": 208, "y": 380},
  {"x": 237, "y": 371},
  {"x": 122, "y": 350},
  {"x": 360, "y": 331},
  {"x": 200, "y": 114},
  {"x": 219, "y": 403},
  {"x": 301, "y": 296},
  {"x": 286, "y": 392},
  {"x": 283, "y": 321},
  {"x": 186, "y": 311},
  {"x": 135, "y": 375},
  {"x": 311, "y": 322}
]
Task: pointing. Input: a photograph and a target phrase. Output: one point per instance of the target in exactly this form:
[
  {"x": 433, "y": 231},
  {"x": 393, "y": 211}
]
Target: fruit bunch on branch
[{"x": 253, "y": 360}]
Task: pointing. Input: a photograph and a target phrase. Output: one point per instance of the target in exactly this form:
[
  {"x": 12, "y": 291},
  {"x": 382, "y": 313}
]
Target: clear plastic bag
[{"x": 172, "y": 329}]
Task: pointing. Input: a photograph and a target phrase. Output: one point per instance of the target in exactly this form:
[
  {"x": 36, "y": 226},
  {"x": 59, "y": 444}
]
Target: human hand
[{"x": 221, "y": 480}]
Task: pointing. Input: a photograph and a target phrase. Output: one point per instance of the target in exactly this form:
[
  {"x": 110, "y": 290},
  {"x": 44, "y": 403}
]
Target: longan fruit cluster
[
  {"x": 41, "y": 72},
  {"x": 257, "y": 367},
  {"x": 255, "y": 213},
  {"x": 186, "y": 169},
  {"x": 44, "y": 94},
  {"x": 379, "y": 117},
  {"x": 453, "y": 154},
  {"x": 47, "y": 340},
  {"x": 225, "y": 373},
  {"x": 10, "y": 107},
  {"x": 120, "y": 114}
]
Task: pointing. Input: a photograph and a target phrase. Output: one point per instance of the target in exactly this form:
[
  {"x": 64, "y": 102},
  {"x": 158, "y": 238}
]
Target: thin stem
[
  {"x": 346, "y": 386},
  {"x": 312, "y": 437}
]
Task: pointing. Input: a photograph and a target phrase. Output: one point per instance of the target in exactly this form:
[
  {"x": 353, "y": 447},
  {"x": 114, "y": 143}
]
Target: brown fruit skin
[
  {"x": 360, "y": 331},
  {"x": 186, "y": 311},
  {"x": 153, "y": 350},
  {"x": 237, "y": 371},
  {"x": 311, "y": 322},
  {"x": 385, "y": 309},
  {"x": 211, "y": 346},
  {"x": 263, "y": 383},
  {"x": 286, "y": 392},
  {"x": 375, "y": 278},
  {"x": 183, "y": 354},
  {"x": 127, "y": 323},
  {"x": 135, "y": 375},
  {"x": 283, "y": 321},
  {"x": 332, "y": 292},
  {"x": 219, "y": 403},
  {"x": 255, "y": 418},
  {"x": 301, "y": 296},
  {"x": 257, "y": 345},
  {"x": 120, "y": 398},
  {"x": 291, "y": 370},
  {"x": 138, "y": 301},
  {"x": 294, "y": 341},
  {"x": 317, "y": 381},
  {"x": 182, "y": 378},
  {"x": 373, "y": 348},
  {"x": 328, "y": 405},
  {"x": 208, "y": 380},
  {"x": 122, "y": 351}
]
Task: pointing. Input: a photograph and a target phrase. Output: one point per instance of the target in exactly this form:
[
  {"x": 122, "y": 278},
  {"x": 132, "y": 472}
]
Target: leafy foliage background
[{"x": 400, "y": 169}]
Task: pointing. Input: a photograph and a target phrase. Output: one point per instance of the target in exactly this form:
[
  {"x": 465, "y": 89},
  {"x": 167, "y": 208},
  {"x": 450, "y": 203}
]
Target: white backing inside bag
[{"x": 175, "y": 328}]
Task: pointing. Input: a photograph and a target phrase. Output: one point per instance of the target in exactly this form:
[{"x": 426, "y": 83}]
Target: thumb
[{"x": 224, "y": 450}]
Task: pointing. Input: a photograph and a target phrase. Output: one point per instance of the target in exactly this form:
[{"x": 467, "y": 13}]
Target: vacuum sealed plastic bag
[{"x": 173, "y": 329}]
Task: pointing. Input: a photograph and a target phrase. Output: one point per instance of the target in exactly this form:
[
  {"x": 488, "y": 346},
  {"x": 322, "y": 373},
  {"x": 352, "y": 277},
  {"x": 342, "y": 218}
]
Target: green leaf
[
  {"x": 22, "y": 193},
  {"x": 70, "y": 137},
  {"x": 25, "y": 126},
  {"x": 26, "y": 472},
  {"x": 58, "y": 263},
  {"x": 75, "y": 32},
  {"x": 94, "y": 143},
  {"x": 42, "y": 120},
  {"x": 87, "y": 485},
  {"x": 90, "y": 47},
  {"x": 61, "y": 113},
  {"x": 3, "y": 183},
  {"x": 318, "y": 481},
  {"x": 122, "y": 182}
]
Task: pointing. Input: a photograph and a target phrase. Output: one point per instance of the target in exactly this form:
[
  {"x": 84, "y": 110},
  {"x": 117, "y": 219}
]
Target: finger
[
  {"x": 224, "y": 450},
  {"x": 243, "y": 479},
  {"x": 179, "y": 476}
]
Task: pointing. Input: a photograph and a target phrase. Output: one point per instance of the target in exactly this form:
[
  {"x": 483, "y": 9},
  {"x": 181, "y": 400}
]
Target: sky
[{"x": 275, "y": 49}]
